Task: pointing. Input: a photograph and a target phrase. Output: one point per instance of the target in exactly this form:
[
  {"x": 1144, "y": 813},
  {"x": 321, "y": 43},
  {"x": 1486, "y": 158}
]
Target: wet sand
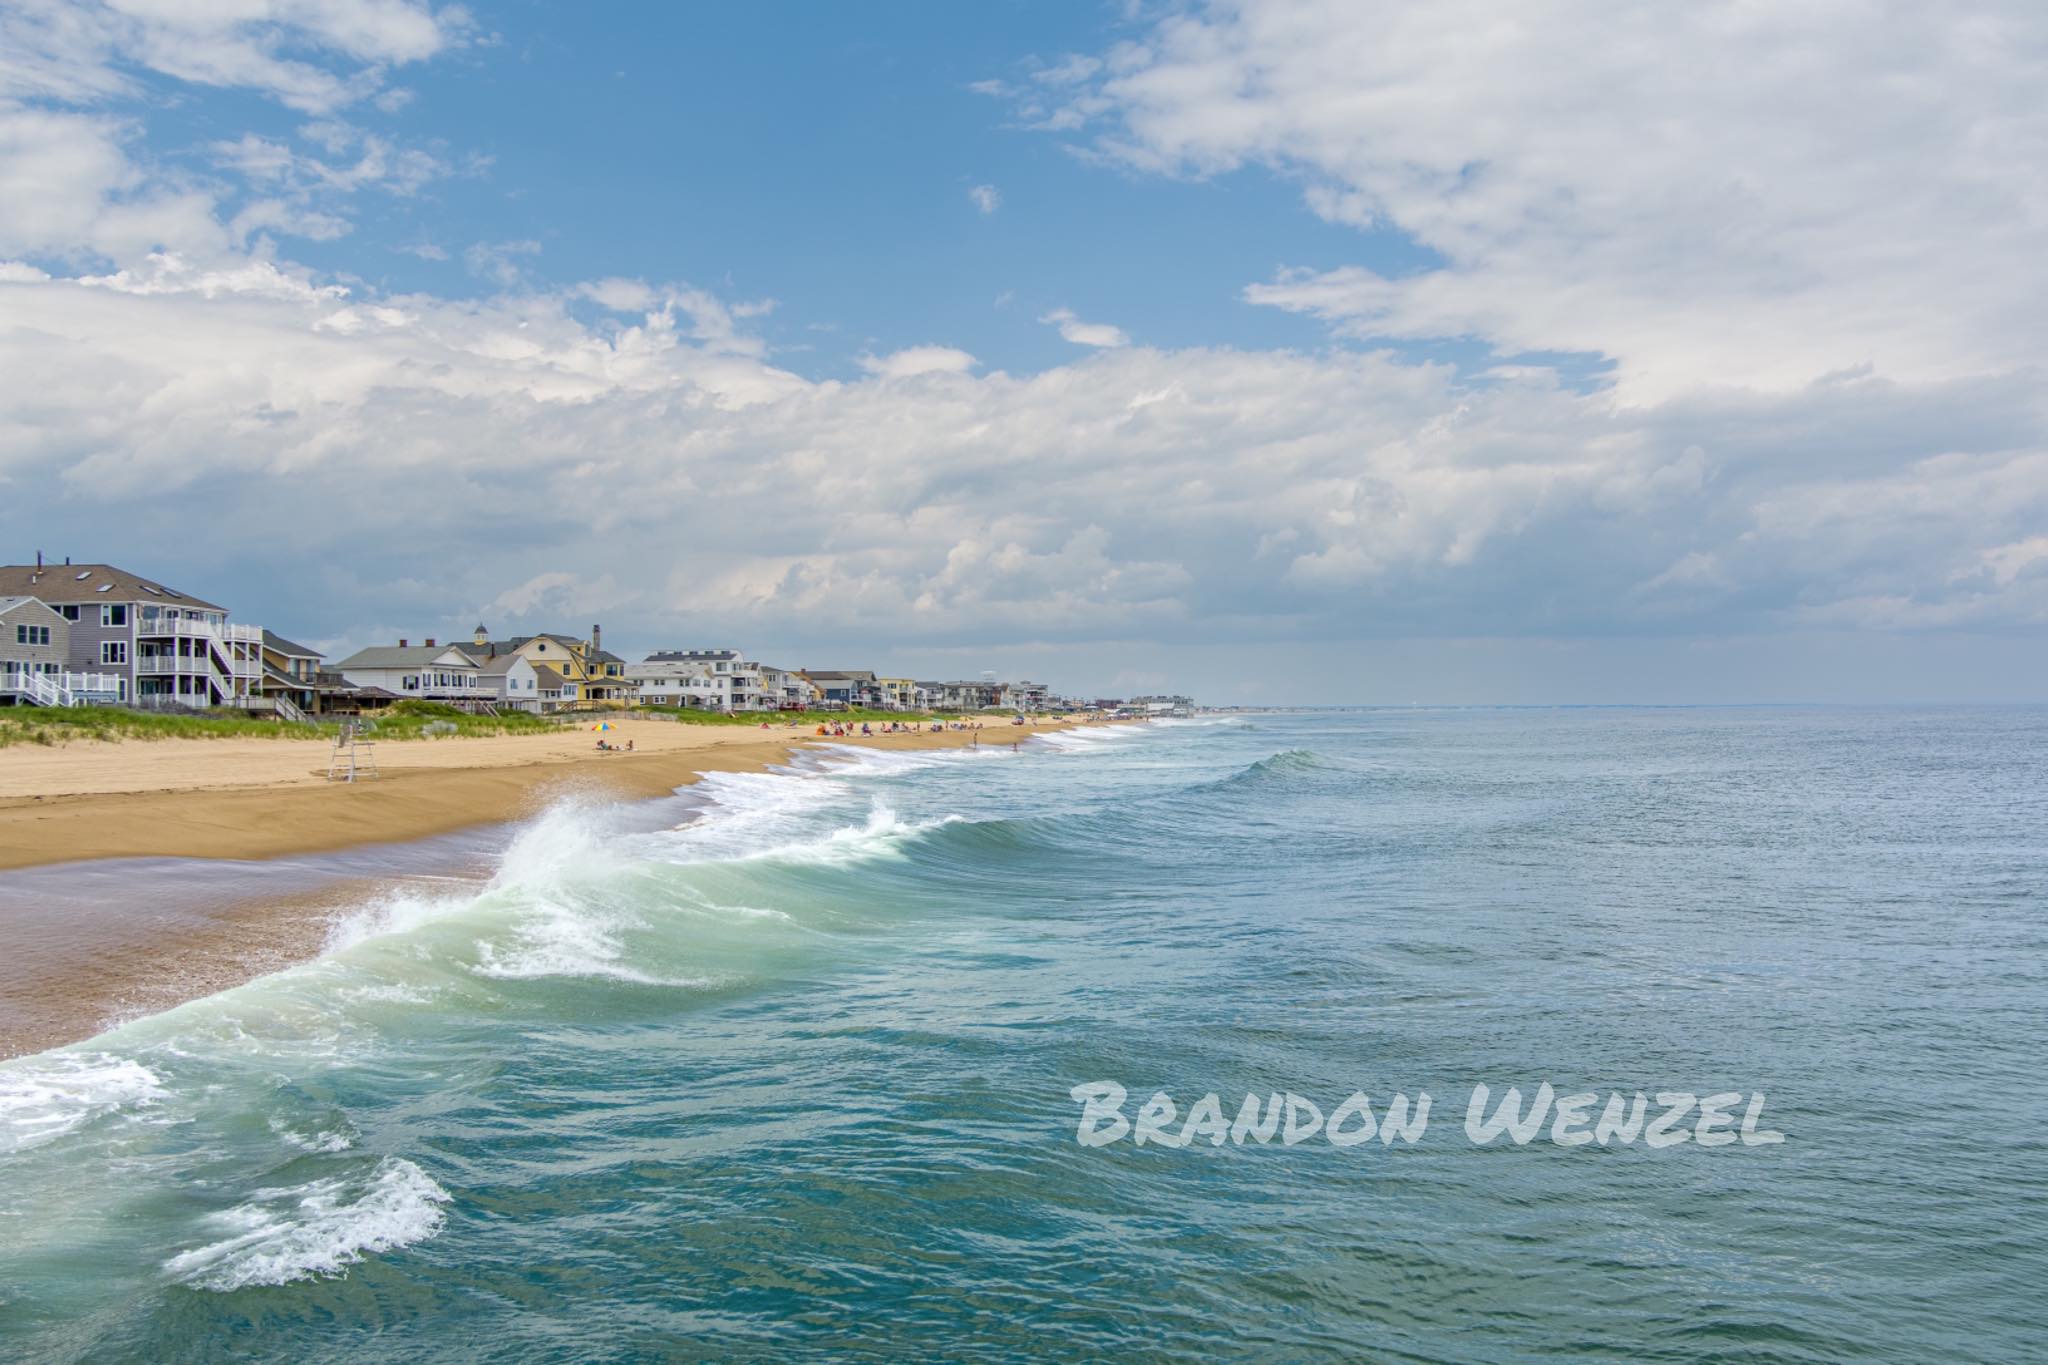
[{"x": 107, "y": 916}]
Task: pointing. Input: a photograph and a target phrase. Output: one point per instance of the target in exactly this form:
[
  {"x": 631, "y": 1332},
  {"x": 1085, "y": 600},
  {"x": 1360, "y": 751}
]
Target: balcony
[{"x": 165, "y": 627}]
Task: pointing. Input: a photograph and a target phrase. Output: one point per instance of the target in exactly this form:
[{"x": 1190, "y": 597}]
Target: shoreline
[
  {"x": 269, "y": 798},
  {"x": 98, "y": 944}
]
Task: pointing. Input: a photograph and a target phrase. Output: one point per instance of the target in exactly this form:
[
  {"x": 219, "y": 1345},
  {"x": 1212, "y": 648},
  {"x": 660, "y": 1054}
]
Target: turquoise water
[{"x": 795, "y": 1077}]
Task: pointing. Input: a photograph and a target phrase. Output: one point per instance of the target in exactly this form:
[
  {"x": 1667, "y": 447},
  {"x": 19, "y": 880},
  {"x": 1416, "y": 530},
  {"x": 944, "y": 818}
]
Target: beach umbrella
[{"x": 602, "y": 726}]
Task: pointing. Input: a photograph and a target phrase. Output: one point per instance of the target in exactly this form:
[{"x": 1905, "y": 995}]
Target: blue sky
[
  {"x": 820, "y": 156},
  {"x": 1418, "y": 352}
]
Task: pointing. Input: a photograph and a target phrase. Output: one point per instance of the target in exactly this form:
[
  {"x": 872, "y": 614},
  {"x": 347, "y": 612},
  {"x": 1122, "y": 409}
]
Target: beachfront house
[
  {"x": 896, "y": 694},
  {"x": 707, "y": 679},
  {"x": 966, "y": 696},
  {"x": 148, "y": 642},
  {"x": 511, "y": 681},
  {"x": 1025, "y": 696},
  {"x": 785, "y": 689},
  {"x": 838, "y": 688},
  {"x": 424, "y": 672},
  {"x": 554, "y": 689},
  {"x": 35, "y": 656},
  {"x": 294, "y": 686},
  {"x": 588, "y": 671}
]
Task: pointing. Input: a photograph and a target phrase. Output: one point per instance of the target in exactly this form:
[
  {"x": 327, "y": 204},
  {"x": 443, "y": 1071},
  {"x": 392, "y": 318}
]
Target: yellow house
[
  {"x": 589, "y": 672},
  {"x": 898, "y": 694}
]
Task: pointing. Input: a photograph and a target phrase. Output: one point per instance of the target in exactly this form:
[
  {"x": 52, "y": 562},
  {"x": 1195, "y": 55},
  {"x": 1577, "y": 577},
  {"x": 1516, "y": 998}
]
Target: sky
[{"x": 1309, "y": 352}]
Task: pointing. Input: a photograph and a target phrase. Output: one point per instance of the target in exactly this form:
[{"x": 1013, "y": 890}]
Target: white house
[
  {"x": 510, "y": 680},
  {"x": 428, "y": 672}
]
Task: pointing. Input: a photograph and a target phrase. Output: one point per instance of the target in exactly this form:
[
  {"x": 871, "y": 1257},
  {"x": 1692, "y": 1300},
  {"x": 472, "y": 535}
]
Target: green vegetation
[
  {"x": 431, "y": 719},
  {"x": 50, "y": 725},
  {"x": 404, "y": 720}
]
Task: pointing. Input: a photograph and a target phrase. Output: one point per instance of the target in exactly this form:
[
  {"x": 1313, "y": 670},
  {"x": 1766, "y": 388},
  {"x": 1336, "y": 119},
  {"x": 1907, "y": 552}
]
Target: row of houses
[{"x": 93, "y": 633}]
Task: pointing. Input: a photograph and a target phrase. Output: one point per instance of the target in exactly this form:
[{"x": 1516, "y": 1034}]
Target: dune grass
[{"x": 404, "y": 720}]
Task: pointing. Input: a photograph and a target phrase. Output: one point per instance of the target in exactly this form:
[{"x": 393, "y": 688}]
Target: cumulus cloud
[
  {"x": 985, "y": 198},
  {"x": 1193, "y": 495},
  {"x": 1099, "y": 334},
  {"x": 1826, "y": 410},
  {"x": 1724, "y": 193}
]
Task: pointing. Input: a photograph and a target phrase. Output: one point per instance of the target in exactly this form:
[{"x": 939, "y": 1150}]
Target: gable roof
[
  {"x": 502, "y": 664},
  {"x": 8, "y": 604},
  {"x": 549, "y": 679},
  {"x": 402, "y": 656},
  {"x": 68, "y": 583},
  {"x": 277, "y": 644}
]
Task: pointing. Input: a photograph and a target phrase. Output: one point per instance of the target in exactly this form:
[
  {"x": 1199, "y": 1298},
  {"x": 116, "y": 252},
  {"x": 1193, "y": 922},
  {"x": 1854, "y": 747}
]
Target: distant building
[
  {"x": 511, "y": 681},
  {"x": 843, "y": 687},
  {"x": 1025, "y": 696},
  {"x": 293, "y": 676},
  {"x": 423, "y": 672},
  {"x": 707, "y": 679},
  {"x": 588, "y": 671},
  {"x": 155, "y": 642}
]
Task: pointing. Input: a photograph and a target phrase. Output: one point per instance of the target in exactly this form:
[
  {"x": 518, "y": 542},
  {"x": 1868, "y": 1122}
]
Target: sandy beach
[
  {"x": 76, "y": 965},
  {"x": 263, "y": 798}
]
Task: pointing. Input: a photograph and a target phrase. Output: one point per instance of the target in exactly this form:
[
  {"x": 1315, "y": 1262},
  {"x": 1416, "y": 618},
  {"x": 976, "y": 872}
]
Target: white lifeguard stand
[{"x": 354, "y": 757}]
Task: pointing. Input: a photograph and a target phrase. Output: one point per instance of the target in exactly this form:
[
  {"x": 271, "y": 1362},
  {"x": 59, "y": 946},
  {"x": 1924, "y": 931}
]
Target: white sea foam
[
  {"x": 43, "y": 1098},
  {"x": 559, "y": 939},
  {"x": 335, "y": 1134},
  {"x": 1082, "y": 739},
  {"x": 320, "y": 1228}
]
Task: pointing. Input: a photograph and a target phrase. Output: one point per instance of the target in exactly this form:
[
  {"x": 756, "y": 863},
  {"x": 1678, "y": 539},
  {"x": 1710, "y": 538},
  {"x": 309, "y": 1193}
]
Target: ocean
[{"x": 793, "y": 1070}]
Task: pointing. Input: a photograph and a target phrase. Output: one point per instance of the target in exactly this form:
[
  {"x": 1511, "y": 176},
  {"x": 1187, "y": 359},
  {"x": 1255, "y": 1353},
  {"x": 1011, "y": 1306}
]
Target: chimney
[
  {"x": 430, "y": 642},
  {"x": 597, "y": 639},
  {"x": 403, "y": 642}
]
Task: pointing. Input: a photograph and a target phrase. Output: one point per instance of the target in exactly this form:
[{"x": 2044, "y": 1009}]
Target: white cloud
[
  {"x": 1099, "y": 334},
  {"x": 1138, "y": 494},
  {"x": 75, "y": 50},
  {"x": 916, "y": 360},
  {"x": 1725, "y": 193},
  {"x": 985, "y": 198}
]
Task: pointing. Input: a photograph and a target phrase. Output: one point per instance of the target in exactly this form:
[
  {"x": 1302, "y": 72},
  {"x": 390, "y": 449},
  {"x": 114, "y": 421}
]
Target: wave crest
[{"x": 318, "y": 1229}]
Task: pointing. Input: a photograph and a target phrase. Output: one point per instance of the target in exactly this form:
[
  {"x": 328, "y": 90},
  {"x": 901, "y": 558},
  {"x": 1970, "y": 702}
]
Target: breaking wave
[
  {"x": 42, "y": 1100},
  {"x": 319, "y": 1228}
]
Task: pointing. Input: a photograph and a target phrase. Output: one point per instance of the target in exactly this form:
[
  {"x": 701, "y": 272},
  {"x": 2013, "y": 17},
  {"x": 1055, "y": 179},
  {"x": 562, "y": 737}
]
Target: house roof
[
  {"x": 502, "y": 664},
  {"x": 8, "y": 604},
  {"x": 547, "y": 677},
  {"x": 277, "y": 644},
  {"x": 67, "y": 583},
  {"x": 838, "y": 675},
  {"x": 401, "y": 656}
]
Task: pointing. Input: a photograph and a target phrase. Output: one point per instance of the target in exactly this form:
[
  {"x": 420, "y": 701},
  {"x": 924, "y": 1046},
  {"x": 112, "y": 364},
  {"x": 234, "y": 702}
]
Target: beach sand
[{"x": 103, "y": 951}]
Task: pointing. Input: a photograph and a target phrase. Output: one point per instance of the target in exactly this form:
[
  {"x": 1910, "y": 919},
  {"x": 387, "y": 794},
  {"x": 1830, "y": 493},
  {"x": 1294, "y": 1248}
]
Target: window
[
  {"x": 31, "y": 635},
  {"x": 69, "y": 611},
  {"x": 113, "y": 651},
  {"x": 412, "y": 682},
  {"x": 113, "y": 613}
]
